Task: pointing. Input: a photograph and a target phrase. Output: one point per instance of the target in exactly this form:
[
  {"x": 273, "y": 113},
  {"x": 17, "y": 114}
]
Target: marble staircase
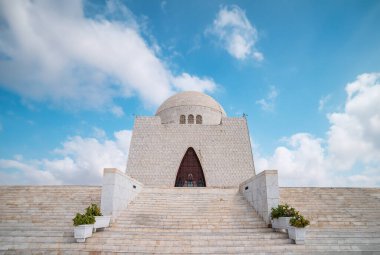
[
  {"x": 34, "y": 215},
  {"x": 37, "y": 220},
  {"x": 189, "y": 220},
  {"x": 341, "y": 219}
]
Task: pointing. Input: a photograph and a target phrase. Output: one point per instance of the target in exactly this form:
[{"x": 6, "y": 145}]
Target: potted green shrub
[
  {"x": 297, "y": 230},
  {"x": 281, "y": 216},
  {"x": 101, "y": 221},
  {"x": 83, "y": 227}
]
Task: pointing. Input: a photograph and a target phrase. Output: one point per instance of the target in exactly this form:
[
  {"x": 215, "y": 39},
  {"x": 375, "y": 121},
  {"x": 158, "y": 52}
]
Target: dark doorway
[{"x": 190, "y": 173}]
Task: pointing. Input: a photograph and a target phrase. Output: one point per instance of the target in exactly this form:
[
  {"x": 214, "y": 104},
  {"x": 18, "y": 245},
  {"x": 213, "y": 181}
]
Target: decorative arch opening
[
  {"x": 190, "y": 119},
  {"x": 190, "y": 173},
  {"x": 198, "y": 119},
  {"x": 182, "y": 119}
]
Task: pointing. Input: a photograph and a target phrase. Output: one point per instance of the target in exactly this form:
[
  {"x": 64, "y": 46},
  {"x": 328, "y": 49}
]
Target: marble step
[
  {"x": 158, "y": 235},
  {"x": 192, "y": 249},
  {"x": 209, "y": 221}
]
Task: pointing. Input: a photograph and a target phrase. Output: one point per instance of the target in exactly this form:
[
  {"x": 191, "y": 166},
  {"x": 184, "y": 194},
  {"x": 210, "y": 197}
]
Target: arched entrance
[{"x": 190, "y": 173}]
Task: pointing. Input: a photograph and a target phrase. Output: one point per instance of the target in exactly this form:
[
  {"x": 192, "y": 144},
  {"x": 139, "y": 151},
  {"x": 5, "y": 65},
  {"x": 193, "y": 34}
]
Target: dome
[
  {"x": 191, "y": 98},
  {"x": 191, "y": 107}
]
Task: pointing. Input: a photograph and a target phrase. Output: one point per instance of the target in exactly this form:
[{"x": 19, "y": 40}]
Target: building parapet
[
  {"x": 262, "y": 192},
  {"x": 118, "y": 191}
]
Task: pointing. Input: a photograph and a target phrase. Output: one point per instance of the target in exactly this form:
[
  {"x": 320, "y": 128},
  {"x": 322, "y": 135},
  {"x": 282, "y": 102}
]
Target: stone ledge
[
  {"x": 119, "y": 172},
  {"x": 265, "y": 172}
]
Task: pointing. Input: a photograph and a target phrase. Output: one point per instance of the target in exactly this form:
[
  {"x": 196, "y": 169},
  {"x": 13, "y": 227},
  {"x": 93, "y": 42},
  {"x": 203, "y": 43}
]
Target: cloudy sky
[{"x": 73, "y": 74}]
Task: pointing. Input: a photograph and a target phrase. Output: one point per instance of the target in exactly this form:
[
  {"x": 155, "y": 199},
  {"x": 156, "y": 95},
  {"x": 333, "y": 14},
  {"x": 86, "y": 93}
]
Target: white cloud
[
  {"x": 349, "y": 156},
  {"x": 79, "y": 161},
  {"x": 323, "y": 101},
  {"x": 301, "y": 162},
  {"x": 258, "y": 56},
  {"x": 236, "y": 34},
  {"x": 117, "y": 111},
  {"x": 268, "y": 103},
  {"x": 99, "y": 133},
  {"x": 163, "y": 6},
  {"x": 18, "y": 157},
  {"x": 56, "y": 53},
  {"x": 16, "y": 172},
  {"x": 187, "y": 82},
  {"x": 354, "y": 134}
]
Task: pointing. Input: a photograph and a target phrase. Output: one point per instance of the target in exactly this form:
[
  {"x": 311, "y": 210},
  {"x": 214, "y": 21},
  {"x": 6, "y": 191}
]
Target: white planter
[
  {"x": 297, "y": 234},
  {"x": 82, "y": 232},
  {"x": 281, "y": 223},
  {"x": 102, "y": 222}
]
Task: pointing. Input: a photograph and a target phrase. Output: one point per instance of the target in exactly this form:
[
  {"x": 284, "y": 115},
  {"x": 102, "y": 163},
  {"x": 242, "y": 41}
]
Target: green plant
[
  {"x": 283, "y": 211},
  {"x": 93, "y": 210},
  {"x": 299, "y": 221},
  {"x": 83, "y": 219}
]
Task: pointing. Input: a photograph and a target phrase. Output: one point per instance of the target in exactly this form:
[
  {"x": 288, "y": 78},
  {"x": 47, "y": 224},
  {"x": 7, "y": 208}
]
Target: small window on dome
[
  {"x": 182, "y": 119},
  {"x": 199, "y": 119},
  {"x": 190, "y": 119}
]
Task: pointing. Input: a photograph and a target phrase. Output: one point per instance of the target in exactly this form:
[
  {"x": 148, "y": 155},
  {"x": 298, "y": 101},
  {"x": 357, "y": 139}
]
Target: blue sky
[{"x": 74, "y": 74}]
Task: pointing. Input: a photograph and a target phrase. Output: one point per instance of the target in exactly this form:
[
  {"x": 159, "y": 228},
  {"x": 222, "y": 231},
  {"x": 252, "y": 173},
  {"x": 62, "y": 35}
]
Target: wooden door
[{"x": 190, "y": 173}]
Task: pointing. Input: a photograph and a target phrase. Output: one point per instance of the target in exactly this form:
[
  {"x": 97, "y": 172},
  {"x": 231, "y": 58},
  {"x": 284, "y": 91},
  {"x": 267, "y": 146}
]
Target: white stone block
[
  {"x": 263, "y": 192},
  {"x": 118, "y": 191}
]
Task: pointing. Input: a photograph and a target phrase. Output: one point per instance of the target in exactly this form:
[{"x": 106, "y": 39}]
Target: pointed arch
[
  {"x": 198, "y": 119},
  {"x": 190, "y": 172},
  {"x": 182, "y": 119}
]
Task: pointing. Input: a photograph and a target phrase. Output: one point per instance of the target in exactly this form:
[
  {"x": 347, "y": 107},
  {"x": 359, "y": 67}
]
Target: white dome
[
  {"x": 191, "y": 103},
  {"x": 191, "y": 98}
]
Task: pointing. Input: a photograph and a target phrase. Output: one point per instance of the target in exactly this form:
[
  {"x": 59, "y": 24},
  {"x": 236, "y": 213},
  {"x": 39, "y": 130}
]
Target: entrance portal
[{"x": 190, "y": 173}]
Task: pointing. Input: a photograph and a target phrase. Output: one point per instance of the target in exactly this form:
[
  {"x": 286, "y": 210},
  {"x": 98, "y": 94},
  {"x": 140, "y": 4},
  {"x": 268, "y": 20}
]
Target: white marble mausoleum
[
  {"x": 190, "y": 122},
  {"x": 189, "y": 187}
]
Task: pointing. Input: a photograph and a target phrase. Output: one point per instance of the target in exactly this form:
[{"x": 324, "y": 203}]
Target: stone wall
[
  {"x": 261, "y": 191},
  {"x": 157, "y": 149},
  {"x": 210, "y": 116},
  {"x": 118, "y": 191}
]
